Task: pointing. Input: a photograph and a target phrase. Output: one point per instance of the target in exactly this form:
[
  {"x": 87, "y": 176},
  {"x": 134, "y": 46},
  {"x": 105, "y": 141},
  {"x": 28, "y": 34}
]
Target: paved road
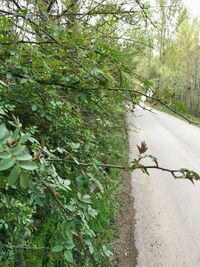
[{"x": 167, "y": 230}]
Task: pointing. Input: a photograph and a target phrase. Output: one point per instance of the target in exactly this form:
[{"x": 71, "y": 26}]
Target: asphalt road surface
[{"x": 167, "y": 230}]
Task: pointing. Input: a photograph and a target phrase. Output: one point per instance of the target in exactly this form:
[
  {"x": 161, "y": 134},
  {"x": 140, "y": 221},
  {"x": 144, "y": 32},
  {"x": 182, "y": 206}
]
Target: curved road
[{"x": 167, "y": 230}]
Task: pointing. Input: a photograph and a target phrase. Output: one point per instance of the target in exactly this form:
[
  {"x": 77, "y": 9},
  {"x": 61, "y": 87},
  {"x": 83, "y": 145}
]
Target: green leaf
[
  {"x": 23, "y": 80},
  {"x": 106, "y": 251},
  {"x": 92, "y": 212},
  {"x": 86, "y": 199},
  {"x": 30, "y": 166},
  {"x": 57, "y": 248},
  {"x": 24, "y": 180},
  {"x": 68, "y": 232},
  {"x": 2, "y": 112},
  {"x": 34, "y": 107},
  {"x": 24, "y": 156},
  {"x": 14, "y": 175},
  {"x": 69, "y": 244},
  {"x": 24, "y": 138},
  {"x": 3, "y": 131},
  {"x": 17, "y": 150},
  {"x": 5, "y": 155},
  {"x": 2, "y": 83},
  {"x": 64, "y": 183},
  {"x": 99, "y": 184},
  {"x": 74, "y": 146},
  {"x": 68, "y": 256},
  {"x": 66, "y": 229},
  {"x": 89, "y": 243},
  {"x": 6, "y": 164}
]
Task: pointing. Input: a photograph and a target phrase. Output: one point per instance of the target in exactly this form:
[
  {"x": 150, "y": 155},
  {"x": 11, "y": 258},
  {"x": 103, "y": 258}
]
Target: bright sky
[{"x": 193, "y": 6}]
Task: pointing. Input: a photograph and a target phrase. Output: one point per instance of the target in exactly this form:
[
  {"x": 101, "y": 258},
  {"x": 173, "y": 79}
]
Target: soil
[{"x": 124, "y": 247}]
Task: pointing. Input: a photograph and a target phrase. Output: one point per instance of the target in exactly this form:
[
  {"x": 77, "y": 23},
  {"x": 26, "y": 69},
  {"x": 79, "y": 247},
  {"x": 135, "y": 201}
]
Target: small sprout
[{"x": 142, "y": 148}]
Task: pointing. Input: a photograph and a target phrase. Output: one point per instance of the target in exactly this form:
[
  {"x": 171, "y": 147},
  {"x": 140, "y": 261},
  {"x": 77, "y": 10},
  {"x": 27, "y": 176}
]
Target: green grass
[{"x": 109, "y": 204}]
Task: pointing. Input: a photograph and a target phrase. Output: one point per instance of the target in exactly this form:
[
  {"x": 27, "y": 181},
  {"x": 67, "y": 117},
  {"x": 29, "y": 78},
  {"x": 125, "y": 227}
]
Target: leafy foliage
[{"x": 58, "y": 109}]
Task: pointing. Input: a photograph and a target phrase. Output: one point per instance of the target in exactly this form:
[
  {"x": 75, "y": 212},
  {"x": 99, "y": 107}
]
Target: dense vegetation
[
  {"x": 67, "y": 70},
  {"x": 173, "y": 64},
  {"x": 62, "y": 74}
]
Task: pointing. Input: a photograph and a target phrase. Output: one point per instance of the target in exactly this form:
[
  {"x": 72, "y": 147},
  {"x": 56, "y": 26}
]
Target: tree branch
[
  {"x": 16, "y": 4},
  {"x": 185, "y": 173},
  {"x": 153, "y": 98},
  {"x": 89, "y": 164},
  {"x": 22, "y": 247},
  {"x": 26, "y": 42}
]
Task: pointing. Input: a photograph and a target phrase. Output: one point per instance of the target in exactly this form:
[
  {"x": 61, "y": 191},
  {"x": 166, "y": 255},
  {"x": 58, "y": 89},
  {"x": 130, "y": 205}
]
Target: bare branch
[
  {"x": 16, "y": 4},
  {"x": 176, "y": 173},
  {"x": 26, "y": 42},
  {"x": 153, "y": 98}
]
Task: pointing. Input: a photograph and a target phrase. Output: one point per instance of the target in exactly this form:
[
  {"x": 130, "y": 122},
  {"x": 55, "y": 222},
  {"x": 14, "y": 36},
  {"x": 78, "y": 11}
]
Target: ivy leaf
[
  {"x": 57, "y": 248},
  {"x": 6, "y": 164},
  {"x": 30, "y": 166},
  {"x": 14, "y": 175},
  {"x": 24, "y": 180},
  {"x": 68, "y": 256}
]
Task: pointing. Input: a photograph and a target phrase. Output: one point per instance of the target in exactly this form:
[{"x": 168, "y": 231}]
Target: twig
[
  {"x": 145, "y": 13},
  {"x": 153, "y": 98},
  {"x": 26, "y": 42},
  {"x": 89, "y": 164},
  {"x": 22, "y": 247},
  {"x": 173, "y": 172},
  {"x": 16, "y": 4}
]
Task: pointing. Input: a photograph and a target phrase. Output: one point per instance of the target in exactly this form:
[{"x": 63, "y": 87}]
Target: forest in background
[
  {"x": 68, "y": 69},
  {"x": 172, "y": 65}
]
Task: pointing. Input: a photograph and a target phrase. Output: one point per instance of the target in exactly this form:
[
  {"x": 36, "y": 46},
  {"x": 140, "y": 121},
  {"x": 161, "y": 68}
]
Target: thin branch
[
  {"x": 12, "y": 14},
  {"x": 89, "y": 164},
  {"x": 153, "y": 98},
  {"x": 173, "y": 172},
  {"x": 126, "y": 39},
  {"x": 145, "y": 13},
  {"x": 52, "y": 2},
  {"x": 26, "y": 42},
  {"x": 22, "y": 247},
  {"x": 176, "y": 173},
  {"x": 16, "y": 4},
  {"x": 98, "y": 13}
]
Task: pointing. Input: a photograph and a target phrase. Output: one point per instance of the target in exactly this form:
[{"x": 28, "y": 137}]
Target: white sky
[{"x": 193, "y": 6}]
